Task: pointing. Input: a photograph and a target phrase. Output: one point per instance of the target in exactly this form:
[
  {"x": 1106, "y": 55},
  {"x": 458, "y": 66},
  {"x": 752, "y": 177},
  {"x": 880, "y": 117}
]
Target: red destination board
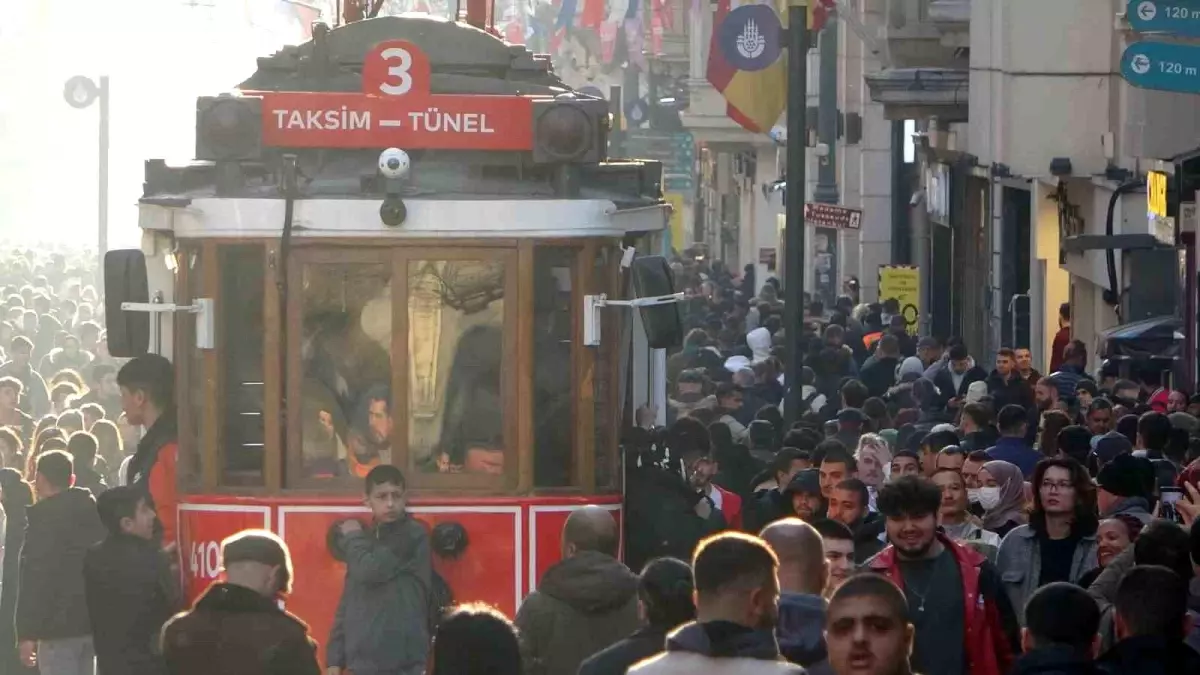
[{"x": 396, "y": 109}]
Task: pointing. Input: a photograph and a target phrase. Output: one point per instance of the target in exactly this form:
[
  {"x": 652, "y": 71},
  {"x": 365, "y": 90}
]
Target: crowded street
[{"x": 600, "y": 337}]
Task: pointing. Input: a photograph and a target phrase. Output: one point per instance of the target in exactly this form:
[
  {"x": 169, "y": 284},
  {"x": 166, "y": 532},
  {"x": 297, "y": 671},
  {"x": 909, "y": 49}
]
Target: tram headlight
[
  {"x": 228, "y": 128},
  {"x": 570, "y": 129}
]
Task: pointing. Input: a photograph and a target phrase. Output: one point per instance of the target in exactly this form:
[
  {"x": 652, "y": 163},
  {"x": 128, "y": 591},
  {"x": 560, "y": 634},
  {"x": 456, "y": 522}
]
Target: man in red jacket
[
  {"x": 148, "y": 398},
  {"x": 950, "y": 588},
  {"x": 702, "y": 467}
]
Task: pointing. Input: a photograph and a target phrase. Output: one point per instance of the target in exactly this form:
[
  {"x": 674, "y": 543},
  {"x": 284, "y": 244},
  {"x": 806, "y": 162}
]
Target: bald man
[
  {"x": 803, "y": 573},
  {"x": 584, "y": 603}
]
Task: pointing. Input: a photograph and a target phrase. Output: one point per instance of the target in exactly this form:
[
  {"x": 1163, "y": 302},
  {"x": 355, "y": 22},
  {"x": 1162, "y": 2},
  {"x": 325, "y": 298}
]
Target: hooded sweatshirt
[
  {"x": 800, "y": 632},
  {"x": 718, "y": 648},
  {"x": 584, "y": 604}
]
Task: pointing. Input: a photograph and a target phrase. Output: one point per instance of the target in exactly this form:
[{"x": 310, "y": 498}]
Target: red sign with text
[
  {"x": 396, "y": 109},
  {"x": 201, "y": 530}
]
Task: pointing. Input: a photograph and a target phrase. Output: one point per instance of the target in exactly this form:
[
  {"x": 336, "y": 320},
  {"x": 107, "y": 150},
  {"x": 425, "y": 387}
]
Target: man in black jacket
[
  {"x": 129, "y": 586},
  {"x": 53, "y": 630}
]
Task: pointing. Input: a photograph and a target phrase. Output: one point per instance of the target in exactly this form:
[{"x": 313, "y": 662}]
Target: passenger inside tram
[{"x": 454, "y": 361}]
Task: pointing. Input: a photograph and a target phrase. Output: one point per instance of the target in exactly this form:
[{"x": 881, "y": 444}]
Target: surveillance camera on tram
[{"x": 394, "y": 163}]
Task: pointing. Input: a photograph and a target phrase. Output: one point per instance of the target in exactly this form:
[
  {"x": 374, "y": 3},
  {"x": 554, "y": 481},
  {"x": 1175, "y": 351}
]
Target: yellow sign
[
  {"x": 902, "y": 282},
  {"x": 675, "y": 224},
  {"x": 1156, "y": 194}
]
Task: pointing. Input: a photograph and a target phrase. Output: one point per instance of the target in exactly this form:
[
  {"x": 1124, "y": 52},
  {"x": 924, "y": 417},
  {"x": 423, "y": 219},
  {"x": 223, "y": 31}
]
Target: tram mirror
[
  {"x": 125, "y": 281},
  {"x": 652, "y": 278}
]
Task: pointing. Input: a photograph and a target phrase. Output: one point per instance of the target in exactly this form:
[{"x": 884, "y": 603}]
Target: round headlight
[
  {"x": 229, "y": 126},
  {"x": 564, "y": 131}
]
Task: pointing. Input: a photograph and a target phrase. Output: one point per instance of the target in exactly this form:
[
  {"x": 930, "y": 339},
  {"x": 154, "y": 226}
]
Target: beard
[{"x": 919, "y": 551}]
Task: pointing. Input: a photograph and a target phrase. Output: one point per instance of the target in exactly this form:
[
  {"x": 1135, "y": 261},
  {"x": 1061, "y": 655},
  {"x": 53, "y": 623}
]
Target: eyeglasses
[{"x": 1061, "y": 486}]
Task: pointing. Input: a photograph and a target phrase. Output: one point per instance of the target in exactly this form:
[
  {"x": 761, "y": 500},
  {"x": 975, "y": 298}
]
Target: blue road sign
[
  {"x": 1172, "y": 17},
  {"x": 1163, "y": 66}
]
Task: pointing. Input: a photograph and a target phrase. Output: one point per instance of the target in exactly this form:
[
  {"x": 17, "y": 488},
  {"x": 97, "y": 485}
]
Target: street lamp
[{"x": 80, "y": 92}]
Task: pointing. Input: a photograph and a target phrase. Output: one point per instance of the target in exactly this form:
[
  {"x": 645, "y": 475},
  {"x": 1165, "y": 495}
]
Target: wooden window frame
[
  {"x": 399, "y": 258},
  {"x": 282, "y": 470}
]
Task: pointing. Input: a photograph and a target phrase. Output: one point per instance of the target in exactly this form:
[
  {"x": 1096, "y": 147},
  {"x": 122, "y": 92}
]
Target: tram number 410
[{"x": 205, "y": 560}]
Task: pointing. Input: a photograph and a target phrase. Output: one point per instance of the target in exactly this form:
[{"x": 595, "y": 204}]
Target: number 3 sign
[{"x": 395, "y": 68}]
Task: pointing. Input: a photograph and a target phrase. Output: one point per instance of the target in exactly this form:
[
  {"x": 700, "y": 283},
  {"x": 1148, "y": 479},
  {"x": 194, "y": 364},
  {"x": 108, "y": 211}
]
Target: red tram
[{"x": 390, "y": 249}]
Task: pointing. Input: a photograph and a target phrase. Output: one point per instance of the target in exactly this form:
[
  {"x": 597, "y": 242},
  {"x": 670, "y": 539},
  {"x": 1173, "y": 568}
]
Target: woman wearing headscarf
[
  {"x": 874, "y": 458},
  {"x": 15, "y": 495},
  {"x": 1002, "y": 497}
]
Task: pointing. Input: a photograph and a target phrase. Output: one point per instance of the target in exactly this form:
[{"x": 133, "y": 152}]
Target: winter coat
[
  {"x": 382, "y": 621},
  {"x": 1013, "y": 391},
  {"x": 661, "y": 517},
  {"x": 945, "y": 382},
  {"x": 768, "y": 506},
  {"x": 718, "y": 648},
  {"x": 152, "y": 467},
  {"x": 91, "y": 480},
  {"x": 731, "y": 507},
  {"x": 867, "y": 538},
  {"x": 620, "y": 657},
  {"x": 1138, "y": 507},
  {"x": 1020, "y": 564},
  {"x": 1067, "y": 380},
  {"x": 800, "y": 632},
  {"x": 51, "y": 603},
  {"x": 1054, "y": 660},
  {"x": 1149, "y": 655},
  {"x": 991, "y": 634},
  {"x": 879, "y": 374},
  {"x": 583, "y": 604},
  {"x": 233, "y": 630},
  {"x": 130, "y": 595},
  {"x": 17, "y": 499}
]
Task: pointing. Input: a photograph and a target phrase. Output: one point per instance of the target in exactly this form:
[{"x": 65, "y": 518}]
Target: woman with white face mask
[{"x": 1002, "y": 496}]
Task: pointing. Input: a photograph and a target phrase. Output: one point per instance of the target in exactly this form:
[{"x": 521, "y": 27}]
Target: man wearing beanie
[
  {"x": 1124, "y": 485},
  {"x": 804, "y": 494},
  {"x": 237, "y": 626}
]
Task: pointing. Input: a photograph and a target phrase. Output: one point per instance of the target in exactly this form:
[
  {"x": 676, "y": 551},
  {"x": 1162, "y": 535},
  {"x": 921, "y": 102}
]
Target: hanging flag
[
  {"x": 608, "y": 41},
  {"x": 656, "y": 34},
  {"x": 747, "y": 63},
  {"x": 663, "y": 13},
  {"x": 820, "y": 12},
  {"x": 593, "y": 13},
  {"x": 566, "y": 14},
  {"x": 635, "y": 42}
]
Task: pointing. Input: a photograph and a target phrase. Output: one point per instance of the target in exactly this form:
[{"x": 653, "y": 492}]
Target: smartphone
[{"x": 1168, "y": 496}]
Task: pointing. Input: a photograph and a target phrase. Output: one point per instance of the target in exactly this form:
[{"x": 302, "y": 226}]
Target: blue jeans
[{"x": 66, "y": 656}]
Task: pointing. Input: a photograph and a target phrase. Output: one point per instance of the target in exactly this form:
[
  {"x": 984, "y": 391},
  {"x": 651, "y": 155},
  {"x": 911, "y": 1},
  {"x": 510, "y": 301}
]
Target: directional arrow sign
[
  {"x": 1162, "y": 66},
  {"x": 1173, "y": 17}
]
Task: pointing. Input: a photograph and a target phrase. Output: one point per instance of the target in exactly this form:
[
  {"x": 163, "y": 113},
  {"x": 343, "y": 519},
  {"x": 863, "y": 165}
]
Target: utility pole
[
  {"x": 80, "y": 92},
  {"x": 793, "y": 277},
  {"x": 826, "y": 190}
]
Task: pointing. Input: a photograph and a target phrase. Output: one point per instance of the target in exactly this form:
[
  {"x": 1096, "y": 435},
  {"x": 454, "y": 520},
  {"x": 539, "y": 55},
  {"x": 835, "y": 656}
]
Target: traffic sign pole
[{"x": 793, "y": 273}]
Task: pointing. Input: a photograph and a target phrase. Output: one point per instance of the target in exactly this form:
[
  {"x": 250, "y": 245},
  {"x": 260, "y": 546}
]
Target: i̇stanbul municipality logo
[{"x": 750, "y": 37}]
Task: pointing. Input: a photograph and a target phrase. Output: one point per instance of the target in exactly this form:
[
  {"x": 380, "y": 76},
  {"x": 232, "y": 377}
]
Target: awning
[{"x": 1157, "y": 338}]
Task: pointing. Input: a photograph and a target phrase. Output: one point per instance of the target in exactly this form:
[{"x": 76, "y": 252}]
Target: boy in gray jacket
[{"x": 382, "y": 621}]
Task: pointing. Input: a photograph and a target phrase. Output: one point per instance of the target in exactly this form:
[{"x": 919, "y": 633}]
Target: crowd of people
[
  {"x": 1047, "y": 519},
  {"x": 925, "y": 514}
]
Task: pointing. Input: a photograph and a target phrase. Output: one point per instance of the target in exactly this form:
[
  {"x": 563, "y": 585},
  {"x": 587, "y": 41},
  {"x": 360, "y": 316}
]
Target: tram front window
[
  {"x": 455, "y": 366},
  {"x": 346, "y": 363}
]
